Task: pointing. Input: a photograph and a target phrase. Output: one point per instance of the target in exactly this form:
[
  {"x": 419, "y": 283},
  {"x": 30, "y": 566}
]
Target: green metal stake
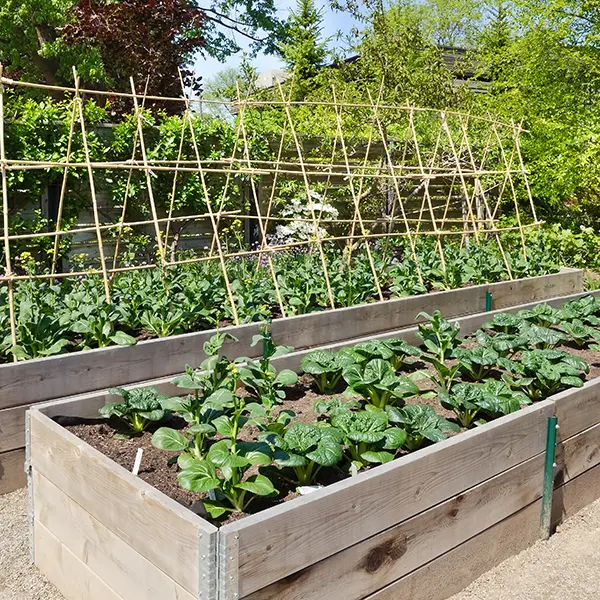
[
  {"x": 546, "y": 521},
  {"x": 488, "y": 301}
]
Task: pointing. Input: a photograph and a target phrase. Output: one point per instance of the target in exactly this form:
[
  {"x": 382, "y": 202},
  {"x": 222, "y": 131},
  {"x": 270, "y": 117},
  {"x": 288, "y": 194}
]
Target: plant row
[
  {"x": 54, "y": 317},
  {"x": 242, "y": 441}
]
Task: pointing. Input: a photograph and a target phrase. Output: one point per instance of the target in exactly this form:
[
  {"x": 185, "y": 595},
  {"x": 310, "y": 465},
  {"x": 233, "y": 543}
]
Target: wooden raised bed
[
  {"x": 422, "y": 526},
  {"x": 26, "y": 383}
]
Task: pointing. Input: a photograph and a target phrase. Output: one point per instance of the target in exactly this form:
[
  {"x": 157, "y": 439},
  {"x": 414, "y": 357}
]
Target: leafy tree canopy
[{"x": 109, "y": 41}]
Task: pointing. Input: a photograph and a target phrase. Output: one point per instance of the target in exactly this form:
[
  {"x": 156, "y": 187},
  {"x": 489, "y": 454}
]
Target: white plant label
[{"x": 138, "y": 461}]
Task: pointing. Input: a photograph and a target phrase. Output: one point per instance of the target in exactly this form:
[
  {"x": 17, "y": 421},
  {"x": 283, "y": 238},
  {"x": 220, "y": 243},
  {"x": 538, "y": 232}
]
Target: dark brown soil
[{"x": 157, "y": 471}]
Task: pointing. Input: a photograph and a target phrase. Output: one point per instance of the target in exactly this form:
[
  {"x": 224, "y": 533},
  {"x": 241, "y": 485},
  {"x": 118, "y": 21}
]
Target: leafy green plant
[
  {"x": 215, "y": 373},
  {"x": 394, "y": 350},
  {"x": 541, "y": 373},
  {"x": 488, "y": 400},
  {"x": 368, "y": 437},
  {"x": 377, "y": 382},
  {"x": 579, "y": 332},
  {"x": 585, "y": 309},
  {"x": 504, "y": 344},
  {"x": 306, "y": 449},
  {"x": 543, "y": 315},
  {"x": 505, "y": 323},
  {"x": 138, "y": 408},
  {"x": 223, "y": 471},
  {"x": 421, "y": 423},
  {"x": 476, "y": 363},
  {"x": 440, "y": 338},
  {"x": 325, "y": 368},
  {"x": 263, "y": 381},
  {"x": 541, "y": 338}
]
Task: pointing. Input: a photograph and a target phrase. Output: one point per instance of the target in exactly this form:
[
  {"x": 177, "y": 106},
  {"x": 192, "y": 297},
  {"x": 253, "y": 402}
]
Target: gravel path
[
  {"x": 567, "y": 567},
  {"x": 18, "y": 579}
]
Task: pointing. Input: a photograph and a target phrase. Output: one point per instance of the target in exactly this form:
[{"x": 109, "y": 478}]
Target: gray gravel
[
  {"x": 567, "y": 567},
  {"x": 18, "y": 579}
]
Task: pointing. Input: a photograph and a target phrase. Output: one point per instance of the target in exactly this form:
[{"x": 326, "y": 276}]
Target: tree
[
  {"x": 110, "y": 40},
  {"x": 304, "y": 51}
]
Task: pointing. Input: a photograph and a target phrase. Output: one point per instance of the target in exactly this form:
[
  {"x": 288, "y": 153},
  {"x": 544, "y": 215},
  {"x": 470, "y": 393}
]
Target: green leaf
[
  {"x": 258, "y": 484},
  {"x": 200, "y": 476},
  {"x": 327, "y": 453},
  {"x": 377, "y": 457},
  {"x": 214, "y": 508},
  {"x": 122, "y": 339},
  {"x": 166, "y": 438},
  {"x": 286, "y": 377}
]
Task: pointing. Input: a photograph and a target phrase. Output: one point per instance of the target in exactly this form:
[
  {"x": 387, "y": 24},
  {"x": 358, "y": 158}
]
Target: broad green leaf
[
  {"x": 166, "y": 438},
  {"x": 258, "y": 484}
]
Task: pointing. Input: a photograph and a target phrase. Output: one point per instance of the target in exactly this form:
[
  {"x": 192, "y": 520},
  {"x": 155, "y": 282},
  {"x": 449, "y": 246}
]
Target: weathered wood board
[
  {"x": 156, "y": 527},
  {"x": 12, "y": 471}
]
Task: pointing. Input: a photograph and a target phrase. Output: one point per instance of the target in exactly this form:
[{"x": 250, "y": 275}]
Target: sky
[{"x": 334, "y": 22}]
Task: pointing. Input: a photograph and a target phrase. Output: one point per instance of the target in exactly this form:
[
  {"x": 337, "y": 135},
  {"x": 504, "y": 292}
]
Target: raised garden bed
[
  {"x": 26, "y": 383},
  {"x": 424, "y": 525}
]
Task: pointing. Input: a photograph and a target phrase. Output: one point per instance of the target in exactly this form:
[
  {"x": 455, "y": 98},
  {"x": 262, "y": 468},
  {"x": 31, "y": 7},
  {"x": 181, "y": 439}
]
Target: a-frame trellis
[{"x": 410, "y": 152}]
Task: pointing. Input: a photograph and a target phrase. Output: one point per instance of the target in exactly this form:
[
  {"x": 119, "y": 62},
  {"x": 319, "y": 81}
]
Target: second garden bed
[{"x": 426, "y": 524}]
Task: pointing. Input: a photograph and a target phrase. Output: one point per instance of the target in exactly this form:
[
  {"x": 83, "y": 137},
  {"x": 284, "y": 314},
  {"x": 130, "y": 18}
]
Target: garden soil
[{"x": 567, "y": 567}]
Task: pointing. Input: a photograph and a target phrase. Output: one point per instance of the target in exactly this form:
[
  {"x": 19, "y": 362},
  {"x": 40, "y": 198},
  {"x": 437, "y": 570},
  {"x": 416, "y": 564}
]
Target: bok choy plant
[
  {"x": 325, "y": 368},
  {"x": 137, "y": 409},
  {"x": 421, "y": 423},
  {"x": 378, "y": 383}
]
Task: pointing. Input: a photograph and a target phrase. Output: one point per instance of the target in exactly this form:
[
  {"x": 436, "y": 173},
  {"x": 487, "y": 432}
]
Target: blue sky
[{"x": 334, "y": 22}]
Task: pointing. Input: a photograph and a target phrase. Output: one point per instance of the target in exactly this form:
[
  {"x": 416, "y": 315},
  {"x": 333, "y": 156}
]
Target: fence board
[
  {"x": 12, "y": 471},
  {"x": 12, "y": 428},
  {"x": 71, "y": 576}
]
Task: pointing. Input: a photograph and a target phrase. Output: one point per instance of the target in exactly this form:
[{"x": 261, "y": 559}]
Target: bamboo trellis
[{"x": 366, "y": 151}]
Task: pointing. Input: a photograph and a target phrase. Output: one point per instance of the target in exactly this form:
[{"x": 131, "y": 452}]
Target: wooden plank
[
  {"x": 509, "y": 293},
  {"x": 367, "y": 566},
  {"x": 12, "y": 428},
  {"x": 577, "y": 454},
  {"x": 325, "y": 327},
  {"x": 12, "y": 471},
  {"x": 275, "y": 543},
  {"x": 578, "y": 409},
  {"x": 125, "y": 504},
  {"x": 81, "y": 372},
  {"x": 104, "y": 553},
  {"x": 62, "y": 568},
  {"x": 576, "y": 494},
  {"x": 455, "y": 570}
]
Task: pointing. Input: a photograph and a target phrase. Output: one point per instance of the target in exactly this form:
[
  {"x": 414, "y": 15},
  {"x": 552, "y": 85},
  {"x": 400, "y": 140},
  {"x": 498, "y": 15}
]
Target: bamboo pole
[
  {"x": 8, "y": 277},
  {"x": 90, "y": 171}
]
